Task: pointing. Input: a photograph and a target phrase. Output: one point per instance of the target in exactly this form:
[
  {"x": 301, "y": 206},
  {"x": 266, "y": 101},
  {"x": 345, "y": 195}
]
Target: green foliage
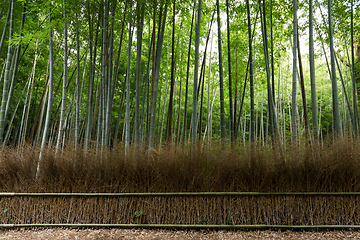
[
  {"x": 138, "y": 213},
  {"x": 229, "y": 218},
  {"x": 203, "y": 220},
  {"x": 35, "y": 36}
]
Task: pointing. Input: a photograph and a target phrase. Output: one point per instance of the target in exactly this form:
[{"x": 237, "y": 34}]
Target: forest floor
[{"x": 61, "y": 233}]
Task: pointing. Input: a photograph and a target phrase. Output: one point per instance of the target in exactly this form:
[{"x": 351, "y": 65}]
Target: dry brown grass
[{"x": 334, "y": 167}]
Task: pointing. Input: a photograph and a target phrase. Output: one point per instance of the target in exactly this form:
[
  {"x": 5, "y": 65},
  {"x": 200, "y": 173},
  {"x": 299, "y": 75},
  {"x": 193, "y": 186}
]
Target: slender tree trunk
[
  {"x": 50, "y": 93},
  {"x": 230, "y": 75},
  {"x": 138, "y": 70},
  {"x": 78, "y": 94},
  {"x": 165, "y": 99},
  {"x": 243, "y": 95},
  {"x": 98, "y": 109},
  {"x": 242, "y": 101},
  {"x": 346, "y": 99},
  {"x": 272, "y": 50},
  {"x": 3, "y": 36},
  {"x": 262, "y": 135},
  {"x": 272, "y": 112},
  {"x": 306, "y": 117},
  {"x": 179, "y": 113},
  {"x": 187, "y": 79},
  {"x": 202, "y": 75},
  {"x": 336, "y": 110},
  {"x": 171, "y": 100},
  {"x": 104, "y": 62},
  {"x": 39, "y": 113},
  {"x": 116, "y": 73},
  {"x": 356, "y": 131},
  {"x": 312, "y": 76},
  {"x": 236, "y": 89},
  {"x": 127, "y": 118},
  {"x": 208, "y": 94},
  {"x": 119, "y": 112},
  {"x": 90, "y": 114},
  {"x": 196, "y": 70},
  {"x": 7, "y": 75},
  {"x": 294, "y": 82},
  {"x": 146, "y": 90},
  {"x": 109, "y": 78},
  {"x": 63, "y": 98},
  {"x": 116, "y": 77},
  {"x": 221, "y": 79},
  {"x": 201, "y": 105},
  {"x": 252, "y": 101},
  {"x": 15, "y": 65},
  {"x": 152, "y": 65},
  {"x": 22, "y": 129},
  {"x": 156, "y": 79},
  {"x": 31, "y": 90}
]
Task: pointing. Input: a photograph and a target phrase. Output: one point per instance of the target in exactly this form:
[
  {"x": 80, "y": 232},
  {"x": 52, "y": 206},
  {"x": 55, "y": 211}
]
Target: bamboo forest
[
  {"x": 124, "y": 96},
  {"x": 95, "y": 73}
]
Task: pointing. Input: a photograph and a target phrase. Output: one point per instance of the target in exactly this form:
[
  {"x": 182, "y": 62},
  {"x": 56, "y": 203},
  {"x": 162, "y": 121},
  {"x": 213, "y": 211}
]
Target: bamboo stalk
[
  {"x": 180, "y": 194},
  {"x": 222, "y": 226}
]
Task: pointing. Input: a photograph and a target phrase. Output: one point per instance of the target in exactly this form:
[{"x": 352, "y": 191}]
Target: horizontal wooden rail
[
  {"x": 261, "y": 226},
  {"x": 13, "y": 194}
]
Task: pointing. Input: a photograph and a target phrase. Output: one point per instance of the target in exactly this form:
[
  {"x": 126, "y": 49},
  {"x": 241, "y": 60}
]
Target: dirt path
[{"x": 58, "y": 233}]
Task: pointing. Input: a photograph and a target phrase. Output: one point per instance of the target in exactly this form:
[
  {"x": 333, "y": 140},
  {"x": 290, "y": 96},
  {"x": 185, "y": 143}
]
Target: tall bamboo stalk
[
  {"x": 78, "y": 93},
  {"x": 356, "y": 131},
  {"x": 246, "y": 74},
  {"x": 230, "y": 75},
  {"x": 156, "y": 79},
  {"x": 271, "y": 105},
  {"x": 15, "y": 62},
  {"x": 346, "y": 99},
  {"x": 165, "y": 98},
  {"x": 312, "y": 75},
  {"x": 252, "y": 101},
  {"x": 187, "y": 79},
  {"x": 109, "y": 79},
  {"x": 221, "y": 79},
  {"x": 31, "y": 91},
  {"x": 127, "y": 118},
  {"x": 7, "y": 74},
  {"x": 171, "y": 99},
  {"x": 3, "y": 35},
  {"x": 196, "y": 71},
  {"x": 50, "y": 94},
  {"x": 63, "y": 98},
  {"x": 302, "y": 85},
  {"x": 146, "y": 91},
  {"x": 336, "y": 110},
  {"x": 140, "y": 23},
  {"x": 90, "y": 114}
]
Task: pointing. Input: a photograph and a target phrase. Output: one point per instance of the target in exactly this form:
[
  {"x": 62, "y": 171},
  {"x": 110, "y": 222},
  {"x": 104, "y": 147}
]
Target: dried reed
[{"x": 334, "y": 167}]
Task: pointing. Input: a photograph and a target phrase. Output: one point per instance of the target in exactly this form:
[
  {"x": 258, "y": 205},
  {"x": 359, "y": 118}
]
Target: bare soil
[{"x": 60, "y": 233}]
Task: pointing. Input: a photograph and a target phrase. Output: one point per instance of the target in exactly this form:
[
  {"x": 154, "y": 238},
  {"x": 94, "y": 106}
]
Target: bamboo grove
[{"x": 91, "y": 74}]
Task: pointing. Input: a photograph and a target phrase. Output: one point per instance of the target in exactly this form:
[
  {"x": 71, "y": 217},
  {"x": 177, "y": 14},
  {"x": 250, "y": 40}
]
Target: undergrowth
[{"x": 213, "y": 167}]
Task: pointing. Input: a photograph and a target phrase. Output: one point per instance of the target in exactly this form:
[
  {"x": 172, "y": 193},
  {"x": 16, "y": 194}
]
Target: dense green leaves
[{"x": 95, "y": 84}]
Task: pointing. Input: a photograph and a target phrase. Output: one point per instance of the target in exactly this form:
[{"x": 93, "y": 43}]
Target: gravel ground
[{"x": 59, "y": 233}]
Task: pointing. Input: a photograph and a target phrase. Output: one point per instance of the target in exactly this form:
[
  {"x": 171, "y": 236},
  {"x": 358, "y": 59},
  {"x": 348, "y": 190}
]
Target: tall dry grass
[{"x": 331, "y": 168}]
